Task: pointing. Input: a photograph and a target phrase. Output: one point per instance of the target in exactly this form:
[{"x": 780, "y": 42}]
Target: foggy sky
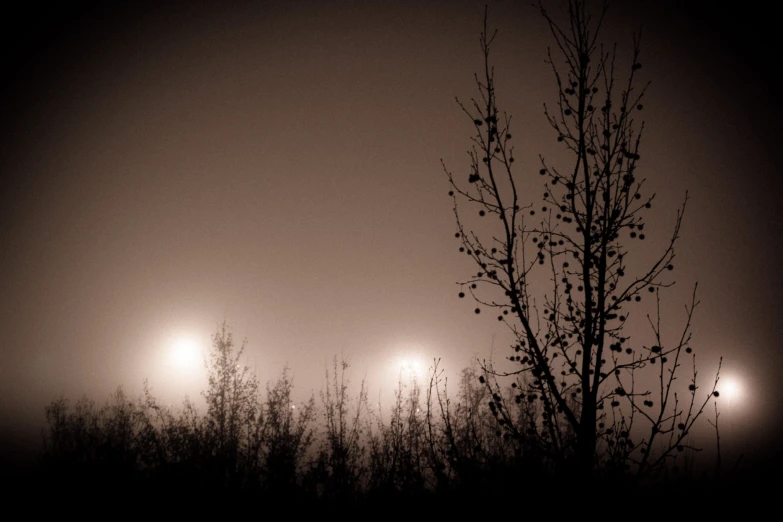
[{"x": 277, "y": 165}]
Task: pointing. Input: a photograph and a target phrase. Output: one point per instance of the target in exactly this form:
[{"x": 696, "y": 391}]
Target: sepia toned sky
[{"x": 166, "y": 166}]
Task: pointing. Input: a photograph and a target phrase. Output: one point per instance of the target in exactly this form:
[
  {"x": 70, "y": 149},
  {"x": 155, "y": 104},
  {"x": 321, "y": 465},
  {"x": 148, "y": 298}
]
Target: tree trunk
[{"x": 586, "y": 440}]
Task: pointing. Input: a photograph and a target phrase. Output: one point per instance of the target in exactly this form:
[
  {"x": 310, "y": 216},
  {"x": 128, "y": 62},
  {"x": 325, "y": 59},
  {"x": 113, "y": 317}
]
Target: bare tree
[
  {"x": 340, "y": 461},
  {"x": 557, "y": 271},
  {"x": 232, "y": 406}
]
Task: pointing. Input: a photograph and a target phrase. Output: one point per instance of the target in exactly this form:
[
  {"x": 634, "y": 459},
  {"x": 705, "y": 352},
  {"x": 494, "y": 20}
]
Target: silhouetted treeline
[{"x": 431, "y": 446}]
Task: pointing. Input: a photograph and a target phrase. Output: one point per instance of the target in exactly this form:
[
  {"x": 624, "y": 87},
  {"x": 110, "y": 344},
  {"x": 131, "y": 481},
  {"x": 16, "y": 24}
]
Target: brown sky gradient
[{"x": 277, "y": 164}]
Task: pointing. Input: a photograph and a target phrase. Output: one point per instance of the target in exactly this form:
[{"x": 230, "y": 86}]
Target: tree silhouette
[
  {"x": 558, "y": 271},
  {"x": 233, "y": 410},
  {"x": 93, "y": 447},
  {"x": 340, "y": 461}
]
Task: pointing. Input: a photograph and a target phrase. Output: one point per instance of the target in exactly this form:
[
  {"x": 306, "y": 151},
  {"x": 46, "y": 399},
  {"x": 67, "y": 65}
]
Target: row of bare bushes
[{"x": 432, "y": 441}]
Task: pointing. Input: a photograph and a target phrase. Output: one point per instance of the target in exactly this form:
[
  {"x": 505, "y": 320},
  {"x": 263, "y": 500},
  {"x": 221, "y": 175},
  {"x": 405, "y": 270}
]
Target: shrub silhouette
[
  {"x": 339, "y": 470},
  {"x": 91, "y": 446}
]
